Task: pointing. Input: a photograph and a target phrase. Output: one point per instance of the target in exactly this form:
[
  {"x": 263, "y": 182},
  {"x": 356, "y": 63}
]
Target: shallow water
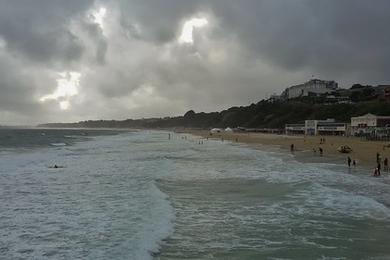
[{"x": 141, "y": 196}]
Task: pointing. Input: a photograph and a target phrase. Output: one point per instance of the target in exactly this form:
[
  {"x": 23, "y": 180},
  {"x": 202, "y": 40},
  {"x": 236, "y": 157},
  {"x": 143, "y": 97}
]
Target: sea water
[{"x": 143, "y": 195}]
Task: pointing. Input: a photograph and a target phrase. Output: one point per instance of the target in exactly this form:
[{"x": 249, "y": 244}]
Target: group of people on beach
[
  {"x": 352, "y": 162},
  {"x": 377, "y": 169},
  {"x": 320, "y": 150}
]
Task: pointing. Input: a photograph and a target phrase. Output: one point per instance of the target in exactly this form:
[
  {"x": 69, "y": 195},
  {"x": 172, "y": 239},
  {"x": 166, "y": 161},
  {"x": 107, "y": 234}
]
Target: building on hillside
[
  {"x": 318, "y": 127},
  {"x": 332, "y": 99},
  {"x": 312, "y": 87},
  {"x": 369, "y": 124},
  {"x": 274, "y": 98}
]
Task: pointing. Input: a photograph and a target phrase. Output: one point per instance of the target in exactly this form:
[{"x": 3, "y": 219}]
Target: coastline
[{"x": 364, "y": 152}]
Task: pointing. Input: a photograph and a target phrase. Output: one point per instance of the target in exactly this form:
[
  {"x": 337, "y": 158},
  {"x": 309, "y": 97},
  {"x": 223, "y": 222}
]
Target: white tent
[
  {"x": 228, "y": 129},
  {"x": 215, "y": 130}
]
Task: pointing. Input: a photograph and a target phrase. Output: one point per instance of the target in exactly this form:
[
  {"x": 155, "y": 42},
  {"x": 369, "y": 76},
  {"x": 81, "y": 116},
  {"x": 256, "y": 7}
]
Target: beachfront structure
[
  {"x": 326, "y": 127},
  {"x": 312, "y": 87},
  {"x": 295, "y": 129},
  {"x": 370, "y": 124},
  {"x": 318, "y": 127}
]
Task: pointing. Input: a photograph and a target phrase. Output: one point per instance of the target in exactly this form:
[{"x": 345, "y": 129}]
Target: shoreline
[{"x": 364, "y": 152}]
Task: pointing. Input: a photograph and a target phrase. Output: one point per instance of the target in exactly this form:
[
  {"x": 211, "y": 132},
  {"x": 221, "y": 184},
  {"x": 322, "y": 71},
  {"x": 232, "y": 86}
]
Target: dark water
[{"x": 40, "y": 137}]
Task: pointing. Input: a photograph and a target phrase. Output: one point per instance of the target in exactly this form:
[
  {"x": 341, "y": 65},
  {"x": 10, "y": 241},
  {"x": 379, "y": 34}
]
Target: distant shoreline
[{"x": 364, "y": 152}]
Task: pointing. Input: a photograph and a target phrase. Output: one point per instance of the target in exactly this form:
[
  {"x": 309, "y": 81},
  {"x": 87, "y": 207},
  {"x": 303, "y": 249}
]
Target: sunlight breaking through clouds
[
  {"x": 188, "y": 29},
  {"x": 67, "y": 87},
  {"x": 98, "y": 16},
  {"x": 64, "y": 105}
]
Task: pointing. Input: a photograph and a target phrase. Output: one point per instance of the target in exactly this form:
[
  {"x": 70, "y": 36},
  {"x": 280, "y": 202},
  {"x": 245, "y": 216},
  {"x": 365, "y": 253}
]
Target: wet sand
[{"x": 364, "y": 152}]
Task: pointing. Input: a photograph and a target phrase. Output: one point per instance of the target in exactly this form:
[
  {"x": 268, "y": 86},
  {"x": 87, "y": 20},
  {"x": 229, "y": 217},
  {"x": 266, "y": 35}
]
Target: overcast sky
[{"x": 71, "y": 60}]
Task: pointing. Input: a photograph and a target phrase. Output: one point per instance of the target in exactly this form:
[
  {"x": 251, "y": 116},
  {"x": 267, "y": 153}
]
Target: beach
[{"x": 364, "y": 152}]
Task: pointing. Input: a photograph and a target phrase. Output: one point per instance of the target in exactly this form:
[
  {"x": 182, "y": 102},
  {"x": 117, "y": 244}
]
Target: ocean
[{"x": 140, "y": 195}]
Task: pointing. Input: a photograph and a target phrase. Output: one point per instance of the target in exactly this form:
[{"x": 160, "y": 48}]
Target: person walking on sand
[
  {"x": 354, "y": 163},
  {"x": 349, "y": 162},
  {"x": 292, "y": 147},
  {"x": 379, "y": 169},
  {"x": 321, "y": 151},
  {"x": 385, "y": 165}
]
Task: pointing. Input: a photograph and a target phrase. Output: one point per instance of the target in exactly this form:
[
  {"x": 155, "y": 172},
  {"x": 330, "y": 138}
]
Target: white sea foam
[
  {"x": 58, "y": 144},
  {"x": 99, "y": 196}
]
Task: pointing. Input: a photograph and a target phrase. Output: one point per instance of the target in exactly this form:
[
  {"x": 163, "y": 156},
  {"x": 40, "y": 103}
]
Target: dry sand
[{"x": 364, "y": 152}]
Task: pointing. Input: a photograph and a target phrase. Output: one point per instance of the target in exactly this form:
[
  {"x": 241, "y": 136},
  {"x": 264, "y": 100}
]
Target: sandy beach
[{"x": 364, "y": 152}]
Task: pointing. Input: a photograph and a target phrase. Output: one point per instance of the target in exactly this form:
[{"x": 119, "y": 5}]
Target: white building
[
  {"x": 326, "y": 127},
  {"x": 274, "y": 98},
  {"x": 369, "y": 124},
  {"x": 312, "y": 87},
  {"x": 319, "y": 127}
]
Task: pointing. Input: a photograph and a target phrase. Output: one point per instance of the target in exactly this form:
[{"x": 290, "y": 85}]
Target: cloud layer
[{"x": 132, "y": 60}]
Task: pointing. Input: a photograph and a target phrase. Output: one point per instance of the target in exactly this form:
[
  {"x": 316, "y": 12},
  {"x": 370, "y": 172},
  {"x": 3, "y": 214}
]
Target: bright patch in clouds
[
  {"x": 67, "y": 85},
  {"x": 98, "y": 16},
  {"x": 188, "y": 29},
  {"x": 64, "y": 105}
]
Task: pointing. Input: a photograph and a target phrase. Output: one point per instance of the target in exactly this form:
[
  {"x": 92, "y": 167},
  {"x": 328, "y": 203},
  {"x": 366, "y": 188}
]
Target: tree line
[{"x": 263, "y": 114}]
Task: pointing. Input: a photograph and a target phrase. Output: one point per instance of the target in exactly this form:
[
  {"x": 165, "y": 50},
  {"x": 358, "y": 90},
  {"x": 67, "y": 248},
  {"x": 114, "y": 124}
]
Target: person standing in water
[
  {"x": 349, "y": 161},
  {"x": 379, "y": 169},
  {"x": 292, "y": 147},
  {"x": 321, "y": 151}
]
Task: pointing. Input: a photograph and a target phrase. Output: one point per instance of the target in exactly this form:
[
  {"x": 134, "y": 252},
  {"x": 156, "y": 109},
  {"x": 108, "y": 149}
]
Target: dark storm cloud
[
  {"x": 132, "y": 65},
  {"x": 17, "y": 90},
  {"x": 158, "y": 20},
  {"x": 332, "y": 37},
  {"x": 339, "y": 38},
  {"x": 96, "y": 35},
  {"x": 38, "y": 29}
]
